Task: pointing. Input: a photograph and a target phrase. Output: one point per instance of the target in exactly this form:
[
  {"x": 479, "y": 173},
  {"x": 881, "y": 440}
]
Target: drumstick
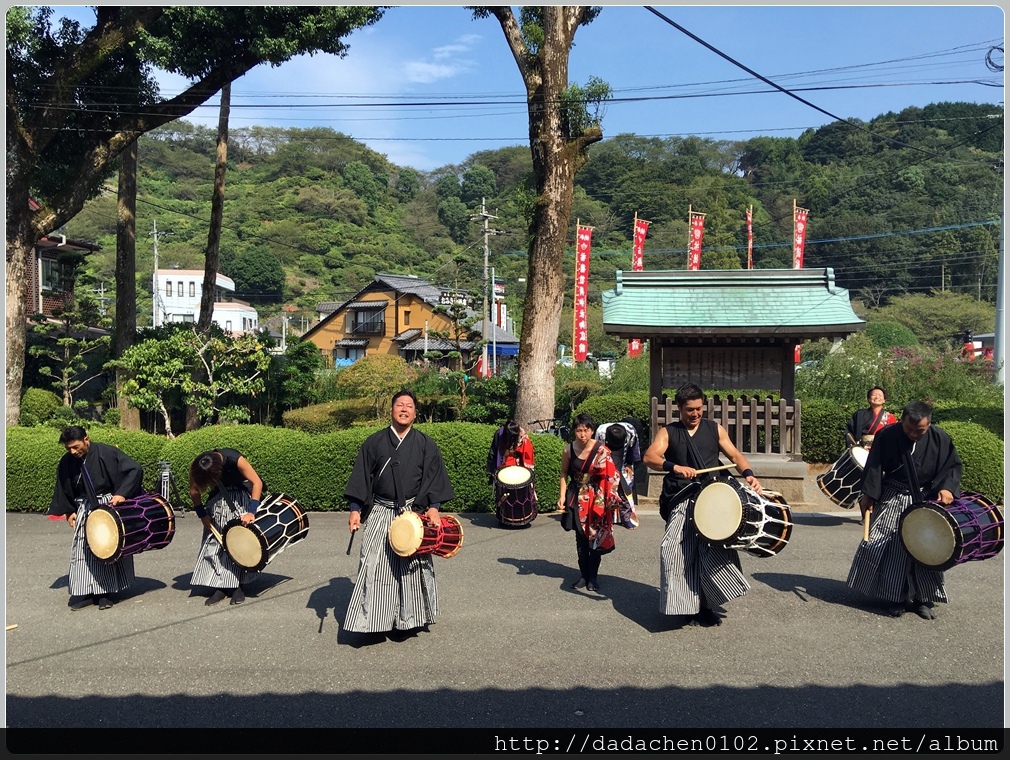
[
  {"x": 714, "y": 469},
  {"x": 217, "y": 534},
  {"x": 12, "y": 626},
  {"x": 351, "y": 542},
  {"x": 851, "y": 439},
  {"x": 866, "y": 524}
]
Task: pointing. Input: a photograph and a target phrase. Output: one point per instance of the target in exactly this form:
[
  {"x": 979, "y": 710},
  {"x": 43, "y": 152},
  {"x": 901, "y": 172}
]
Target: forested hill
[{"x": 908, "y": 202}]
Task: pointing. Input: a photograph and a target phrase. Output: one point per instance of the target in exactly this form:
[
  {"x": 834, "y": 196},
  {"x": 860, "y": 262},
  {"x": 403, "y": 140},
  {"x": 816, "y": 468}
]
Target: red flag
[
  {"x": 637, "y": 265},
  {"x": 750, "y": 237},
  {"x": 580, "y": 323},
  {"x": 799, "y": 235},
  {"x": 694, "y": 246}
]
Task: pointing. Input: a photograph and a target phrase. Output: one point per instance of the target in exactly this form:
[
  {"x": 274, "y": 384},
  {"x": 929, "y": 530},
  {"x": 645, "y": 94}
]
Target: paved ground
[{"x": 513, "y": 646}]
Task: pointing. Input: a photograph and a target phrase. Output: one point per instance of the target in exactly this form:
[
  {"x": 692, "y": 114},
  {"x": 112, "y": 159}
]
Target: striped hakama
[
  {"x": 214, "y": 567},
  {"x": 390, "y": 592},
  {"x": 694, "y": 573},
  {"x": 89, "y": 575},
  {"x": 882, "y": 568}
]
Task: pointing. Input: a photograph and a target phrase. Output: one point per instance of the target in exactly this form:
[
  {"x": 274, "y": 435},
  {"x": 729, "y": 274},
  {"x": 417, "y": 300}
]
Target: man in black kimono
[
  {"x": 882, "y": 567},
  {"x": 115, "y": 477},
  {"x": 696, "y": 576},
  {"x": 397, "y": 469}
]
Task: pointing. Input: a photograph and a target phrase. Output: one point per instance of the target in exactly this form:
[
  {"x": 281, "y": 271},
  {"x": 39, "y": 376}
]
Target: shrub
[
  {"x": 981, "y": 453},
  {"x": 891, "y": 335},
  {"x": 822, "y": 436},
  {"x": 33, "y": 453},
  {"x": 613, "y": 407},
  {"x": 573, "y": 393},
  {"x": 112, "y": 416},
  {"x": 329, "y": 416},
  {"x": 990, "y": 417},
  {"x": 38, "y": 405}
]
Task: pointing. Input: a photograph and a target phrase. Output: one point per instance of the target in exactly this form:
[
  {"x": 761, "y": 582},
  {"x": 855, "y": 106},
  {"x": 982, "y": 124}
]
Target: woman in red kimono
[
  {"x": 515, "y": 502},
  {"x": 594, "y": 491}
]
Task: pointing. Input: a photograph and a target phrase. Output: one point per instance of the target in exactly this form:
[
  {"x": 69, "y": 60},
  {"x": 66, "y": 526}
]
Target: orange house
[{"x": 391, "y": 315}]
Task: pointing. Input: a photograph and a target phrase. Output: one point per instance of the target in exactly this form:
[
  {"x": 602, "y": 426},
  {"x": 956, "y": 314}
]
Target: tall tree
[
  {"x": 126, "y": 278},
  {"x": 561, "y": 130},
  {"x": 110, "y": 107}
]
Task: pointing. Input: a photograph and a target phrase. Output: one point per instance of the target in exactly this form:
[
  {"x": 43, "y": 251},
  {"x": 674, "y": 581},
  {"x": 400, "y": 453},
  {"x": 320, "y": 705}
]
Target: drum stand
[{"x": 169, "y": 489}]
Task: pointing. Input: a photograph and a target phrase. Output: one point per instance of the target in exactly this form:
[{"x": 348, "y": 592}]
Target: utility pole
[
  {"x": 485, "y": 312},
  {"x": 998, "y": 339},
  {"x": 157, "y": 305}
]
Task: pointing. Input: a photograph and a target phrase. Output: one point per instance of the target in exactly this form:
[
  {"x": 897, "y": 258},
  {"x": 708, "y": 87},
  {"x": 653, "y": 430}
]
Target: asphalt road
[{"x": 513, "y": 645}]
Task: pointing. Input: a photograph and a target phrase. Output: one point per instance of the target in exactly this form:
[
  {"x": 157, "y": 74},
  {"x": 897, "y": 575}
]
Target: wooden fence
[{"x": 755, "y": 427}]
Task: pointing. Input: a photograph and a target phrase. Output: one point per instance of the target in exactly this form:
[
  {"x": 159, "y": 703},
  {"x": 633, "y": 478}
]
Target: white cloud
[{"x": 422, "y": 72}]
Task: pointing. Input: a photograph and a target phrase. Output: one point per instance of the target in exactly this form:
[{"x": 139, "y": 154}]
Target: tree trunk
[
  {"x": 556, "y": 158},
  {"x": 126, "y": 278},
  {"x": 20, "y": 258},
  {"x": 213, "y": 237}
]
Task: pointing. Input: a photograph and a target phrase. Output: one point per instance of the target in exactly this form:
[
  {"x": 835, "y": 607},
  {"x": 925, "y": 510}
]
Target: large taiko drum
[
  {"x": 411, "y": 533},
  {"x": 733, "y": 515},
  {"x": 515, "y": 497},
  {"x": 842, "y": 482},
  {"x": 941, "y": 536},
  {"x": 280, "y": 522},
  {"x": 136, "y": 525}
]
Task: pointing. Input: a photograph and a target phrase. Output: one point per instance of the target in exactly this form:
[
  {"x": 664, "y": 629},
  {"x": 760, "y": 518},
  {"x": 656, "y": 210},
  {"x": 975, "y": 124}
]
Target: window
[
  {"x": 192, "y": 289},
  {"x": 227, "y": 325},
  {"x": 168, "y": 288},
  {"x": 52, "y": 275},
  {"x": 348, "y": 354},
  {"x": 180, "y": 291},
  {"x": 406, "y": 318},
  {"x": 371, "y": 322}
]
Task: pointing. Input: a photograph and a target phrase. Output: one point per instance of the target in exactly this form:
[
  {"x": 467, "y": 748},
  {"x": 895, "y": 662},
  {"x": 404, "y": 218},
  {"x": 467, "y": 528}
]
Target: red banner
[
  {"x": 750, "y": 237},
  {"x": 694, "y": 246},
  {"x": 580, "y": 323},
  {"x": 637, "y": 265},
  {"x": 799, "y": 235}
]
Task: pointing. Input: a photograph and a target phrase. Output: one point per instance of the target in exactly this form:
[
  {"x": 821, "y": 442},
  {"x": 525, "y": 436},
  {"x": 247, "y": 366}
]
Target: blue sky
[{"x": 886, "y": 58}]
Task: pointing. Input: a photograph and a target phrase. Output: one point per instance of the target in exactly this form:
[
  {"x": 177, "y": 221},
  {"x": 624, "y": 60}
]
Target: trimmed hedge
[
  {"x": 33, "y": 453},
  {"x": 38, "y": 405},
  {"x": 613, "y": 407},
  {"x": 989, "y": 417},
  {"x": 314, "y": 469},
  {"x": 822, "y": 437},
  {"x": 981, "y": 453},
  {"x": 329, "y": 416}
]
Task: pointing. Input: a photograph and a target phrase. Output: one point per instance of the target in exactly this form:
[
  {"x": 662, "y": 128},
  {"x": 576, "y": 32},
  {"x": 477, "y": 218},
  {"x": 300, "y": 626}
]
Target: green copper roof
[{"x": 803, "y": 303}]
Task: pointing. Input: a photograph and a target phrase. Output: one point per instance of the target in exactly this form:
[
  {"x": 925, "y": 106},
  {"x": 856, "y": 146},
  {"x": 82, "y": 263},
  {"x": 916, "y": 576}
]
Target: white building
[{"x": 177, "y": 299}]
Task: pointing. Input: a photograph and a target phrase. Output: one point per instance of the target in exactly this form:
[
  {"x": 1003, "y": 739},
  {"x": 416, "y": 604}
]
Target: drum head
[
  {"x": 718, "y": 511},
  {"x": 102, "y": 533},
  {"x": 928, "y": 536},
  {"x": 514, "y": 475},
  {"x": 859, "y": 456},
  {"x": 243, "y": 546},
  {"x": 406, "y": 532}
]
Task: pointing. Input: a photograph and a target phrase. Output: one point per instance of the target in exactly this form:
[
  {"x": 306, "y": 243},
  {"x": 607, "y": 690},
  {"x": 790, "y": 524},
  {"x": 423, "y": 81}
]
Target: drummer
[
  {"x": 866, "y": 423},
  {"x": 882, "y": 568},
  {"x": 115, "y": 477},
  {"x": 397, "y": 468},
  {"x": 235, "y": 491},
  {"x": 695, "y": 576},
  {"x": 510, "y": 447}
]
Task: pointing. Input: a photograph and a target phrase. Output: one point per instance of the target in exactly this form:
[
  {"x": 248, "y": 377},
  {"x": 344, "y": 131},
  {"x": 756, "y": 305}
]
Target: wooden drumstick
[
  {"x": 217, "y": 534},
  {"x": 714, "y": 469},
  {"x": 851, "y": 439},
  {"x": 866, "y": 524},
  {"x": 353, "y": 532}
]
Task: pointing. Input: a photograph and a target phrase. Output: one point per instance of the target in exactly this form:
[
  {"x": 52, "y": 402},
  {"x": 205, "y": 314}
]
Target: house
[
  {"x": 393, "y": 314},
  {"x": 51, "y": 275},
  {"x": 177, "y": 299}
]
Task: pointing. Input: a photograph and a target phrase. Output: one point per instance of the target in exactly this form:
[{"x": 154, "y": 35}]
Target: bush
[
  {"x": 329, "y": 416},
  {"x": 981, "y": 453},
  {"x": 33, "y": 453},
  {"x": 614, "y": 407},
  {"x": 38, "y": 405},
  {"x": 822, "y": 435},
  {"x": 989, "y": 417},
  {"x": 891, "y": 335}
]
